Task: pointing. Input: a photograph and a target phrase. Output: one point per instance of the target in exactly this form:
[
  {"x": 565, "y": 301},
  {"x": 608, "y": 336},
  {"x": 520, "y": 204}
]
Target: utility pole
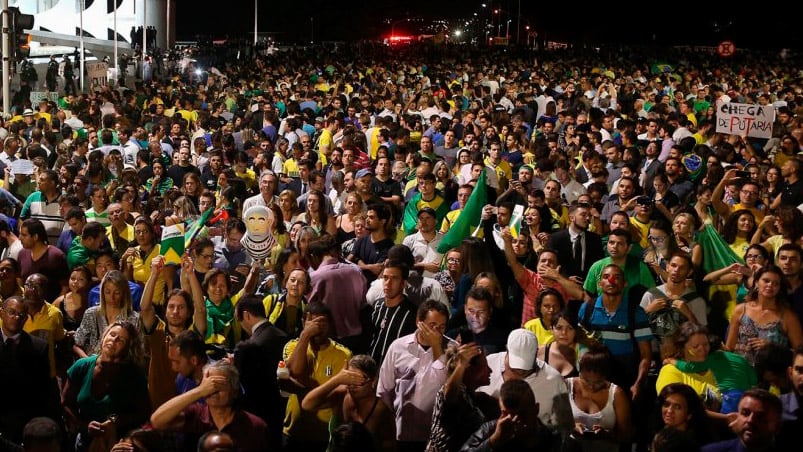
[{"x": 6, "y": 56}]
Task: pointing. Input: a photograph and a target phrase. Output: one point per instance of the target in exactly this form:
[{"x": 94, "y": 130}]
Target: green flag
[
  {"x": 716, "y": 251},
  {"x": 196, "y": 227},
  {"x": 469, "y": 218}
]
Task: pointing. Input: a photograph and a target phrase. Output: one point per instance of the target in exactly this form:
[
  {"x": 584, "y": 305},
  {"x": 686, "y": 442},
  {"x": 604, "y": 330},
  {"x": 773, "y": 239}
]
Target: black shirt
[
  {"x": 371, "y": 253},
  {"x": 792, "y": 194}
]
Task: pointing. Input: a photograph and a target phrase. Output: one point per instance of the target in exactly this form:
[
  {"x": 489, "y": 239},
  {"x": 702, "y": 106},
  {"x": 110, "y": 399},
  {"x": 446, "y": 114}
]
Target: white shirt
[
  {"x": 548, "y": 386},
  {"x": 409, "y": 380},
  {"x": 423, "y": 251}
]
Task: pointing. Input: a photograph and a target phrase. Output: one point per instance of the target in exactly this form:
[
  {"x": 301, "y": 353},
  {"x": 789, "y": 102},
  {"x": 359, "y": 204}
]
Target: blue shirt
[
  {"x": 136, "y": 295},
  {"x": 185, "y": 384},
  {"x": 614, "y": 331}
]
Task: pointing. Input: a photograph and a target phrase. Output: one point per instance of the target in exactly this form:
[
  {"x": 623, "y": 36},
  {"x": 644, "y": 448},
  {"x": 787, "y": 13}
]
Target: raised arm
[
  {"x": 297, "y": 361},
  {"x": 191, "y": 285},
  {"x": 514, "y": 264},
  {"x": 719, "y": 191},
  {"x": 330, "y": 394},
  {"x": 724, "y": 276},
  {"x": 147, "y": 313},
  {"x": 169, "y": 415},
  {"x": 250, "y": 285}
]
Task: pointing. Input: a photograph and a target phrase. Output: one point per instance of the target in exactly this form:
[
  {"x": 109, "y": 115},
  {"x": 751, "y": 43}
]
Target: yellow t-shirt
[
  {"x": 701, "y": 383},
  {"x": 48, "y": 324},
  {"x": 543, "y": 334},
  {"x": 142, "y": 271},
  {"x": 325, "y": 140},
  {"x": 127, "y": 235},
  {"x": 249, "y": 177},
  {"x": 323, "y": 365},
  {"x": 290, "y": 168}
]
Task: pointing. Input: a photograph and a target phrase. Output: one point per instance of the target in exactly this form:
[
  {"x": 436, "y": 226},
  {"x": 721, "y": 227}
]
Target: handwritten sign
[
  {"x": 38, "y": 96},
  {"x": 97, "y": 71},
  {"x": 21, "y": 166},
  {"x": 752, "y": 120}
]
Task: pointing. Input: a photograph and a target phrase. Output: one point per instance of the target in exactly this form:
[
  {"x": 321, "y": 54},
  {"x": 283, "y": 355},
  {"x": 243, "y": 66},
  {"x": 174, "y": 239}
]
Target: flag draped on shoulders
[
  {"x": 468, "y": 220},
  {"x": 410, "y": 220}
]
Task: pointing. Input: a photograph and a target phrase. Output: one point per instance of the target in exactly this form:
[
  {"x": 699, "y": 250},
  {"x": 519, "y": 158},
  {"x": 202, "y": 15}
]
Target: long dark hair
[
  {"x": 698, "y": 420},
  {"x": 731, "y": 227}
]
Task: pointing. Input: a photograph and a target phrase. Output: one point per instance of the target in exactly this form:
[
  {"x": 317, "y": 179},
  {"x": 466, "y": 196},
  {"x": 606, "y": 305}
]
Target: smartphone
[
  {"x": 742, "y": 174},
  {"x": 466, "y": 336}
]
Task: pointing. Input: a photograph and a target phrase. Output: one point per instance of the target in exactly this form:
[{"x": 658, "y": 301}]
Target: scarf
[{"x": 219, "y": 319}]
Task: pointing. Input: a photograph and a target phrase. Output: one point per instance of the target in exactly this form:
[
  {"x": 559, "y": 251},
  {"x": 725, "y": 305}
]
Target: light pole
[
  {"x": 312, "y": 30},
  {"x": 6, "y": 59},
  {"x": 256, "y": 21},
  {"x": 81, "y": 41},
  {"x": 507, "y": 31}
]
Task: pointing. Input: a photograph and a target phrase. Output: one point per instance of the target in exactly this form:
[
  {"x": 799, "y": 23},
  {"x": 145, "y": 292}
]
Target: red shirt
[
  {"x": 250, "y": 433},
  {"x": 531, "y": 284}
]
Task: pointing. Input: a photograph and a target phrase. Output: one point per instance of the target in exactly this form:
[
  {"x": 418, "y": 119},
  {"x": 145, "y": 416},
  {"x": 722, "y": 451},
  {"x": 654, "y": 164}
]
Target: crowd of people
[{"x": 466, "y": 252}]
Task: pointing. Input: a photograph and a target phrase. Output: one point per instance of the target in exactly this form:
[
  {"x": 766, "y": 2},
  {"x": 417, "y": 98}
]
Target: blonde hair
[{"x": 116, "y": 278}]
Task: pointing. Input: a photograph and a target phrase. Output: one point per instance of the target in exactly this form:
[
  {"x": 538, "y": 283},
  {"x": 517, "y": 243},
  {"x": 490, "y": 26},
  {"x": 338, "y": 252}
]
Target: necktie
[
  {"x": 303, "y": 188},
  {"x": 578, "y": 251}
]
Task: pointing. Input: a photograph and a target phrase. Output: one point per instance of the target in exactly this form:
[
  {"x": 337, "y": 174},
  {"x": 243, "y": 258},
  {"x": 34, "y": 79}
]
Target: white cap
[{"x": 522, "y": 346}]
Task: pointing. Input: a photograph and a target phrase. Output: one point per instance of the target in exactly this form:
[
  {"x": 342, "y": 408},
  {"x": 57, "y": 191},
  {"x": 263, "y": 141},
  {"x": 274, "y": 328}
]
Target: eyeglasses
[
  {"x": 141, "y": 231},
  {"x": 17, "y": 314},
  {"x": 748, "y": 192},
  {"x": 656, "y": 238},
  {"x": 749, "y": 256}
]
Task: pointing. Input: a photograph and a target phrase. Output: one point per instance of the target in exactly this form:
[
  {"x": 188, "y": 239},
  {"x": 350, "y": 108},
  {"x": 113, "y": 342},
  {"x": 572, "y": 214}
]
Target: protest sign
[{"x": 752, "y": 120}]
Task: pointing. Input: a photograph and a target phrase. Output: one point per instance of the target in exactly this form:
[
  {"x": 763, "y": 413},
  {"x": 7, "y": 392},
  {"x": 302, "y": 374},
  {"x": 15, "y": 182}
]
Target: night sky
[{"x": 623, "y": 21}]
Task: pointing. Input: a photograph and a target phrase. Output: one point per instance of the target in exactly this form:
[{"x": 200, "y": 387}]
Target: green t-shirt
[
  {"x": 731, "y": 370},
  {"x": 636, "y": 273}
]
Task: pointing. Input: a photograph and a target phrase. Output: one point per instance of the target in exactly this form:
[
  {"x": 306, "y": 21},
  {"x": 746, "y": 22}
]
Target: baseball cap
[
  {"x": 27, "y": 112},
  {"x": 522, "y": 346},
  {"x": 428, "y": 210},
  {"x": 363, "y": 172}
]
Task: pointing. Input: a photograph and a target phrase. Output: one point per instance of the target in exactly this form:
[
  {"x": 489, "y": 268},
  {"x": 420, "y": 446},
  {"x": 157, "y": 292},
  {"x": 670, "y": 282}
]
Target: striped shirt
[
  {"x": 39, "y": 208},
  {"x": 390, "y": 324},
  {"x": 613, "y": 330}
]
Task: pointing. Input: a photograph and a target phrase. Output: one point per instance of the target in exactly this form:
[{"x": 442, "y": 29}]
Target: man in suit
[
  {"x": 577, "y": 248},
  {"x": 25, "y": 373},
  {"x": 257, "y": 359},
  {"x": 651, "y": 165}
]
